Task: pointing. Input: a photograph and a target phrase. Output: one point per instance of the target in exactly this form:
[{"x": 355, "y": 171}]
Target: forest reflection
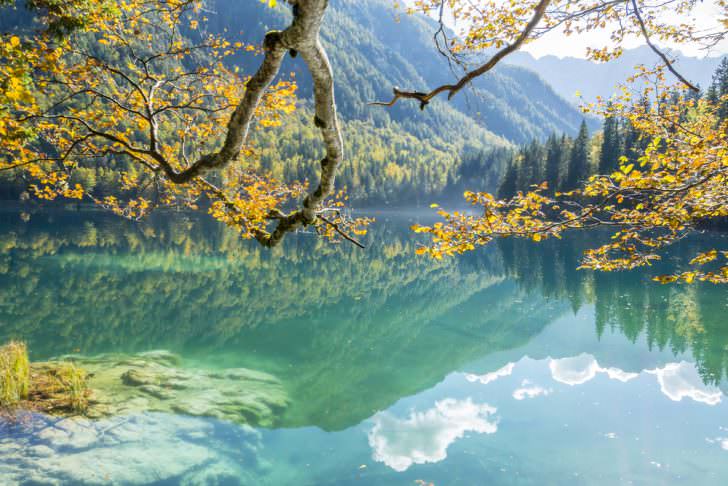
[
  {"x": 333, "y": 322},
  {"x": 678, "y": 318}
]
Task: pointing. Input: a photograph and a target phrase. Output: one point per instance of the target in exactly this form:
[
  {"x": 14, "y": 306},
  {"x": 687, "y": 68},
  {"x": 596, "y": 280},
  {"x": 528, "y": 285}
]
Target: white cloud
[
  {"x": 680, "y": 380},
  {"x": 722, "y": 441},
  {"x": 580, "y": 369},
  {"x": 490, "y": 377},
  {"x": 575, "y": 370},
  {"x": 425, "y": 436},
  {"x": 528, "y": 390},
  {"x": 621, "y": 375}
]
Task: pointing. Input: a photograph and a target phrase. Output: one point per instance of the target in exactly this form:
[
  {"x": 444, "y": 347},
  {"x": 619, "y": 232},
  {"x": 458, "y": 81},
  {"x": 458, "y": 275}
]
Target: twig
[
  {"x": 657, "y": 51},
  {"x": 343, "y": 234}
]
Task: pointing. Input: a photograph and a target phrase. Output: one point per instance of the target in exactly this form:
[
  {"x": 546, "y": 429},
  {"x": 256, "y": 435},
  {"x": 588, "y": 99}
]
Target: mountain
[
  {"x": 372, "y": 49},
  {"x": 399, "y": 154},
  {"x": 568, "y": 75},
  {"x": 419, "y": 152}
]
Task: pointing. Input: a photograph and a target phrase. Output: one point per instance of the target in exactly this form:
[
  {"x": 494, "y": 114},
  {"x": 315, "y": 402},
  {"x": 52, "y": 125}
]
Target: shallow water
[{"x": 504, "y": 366}]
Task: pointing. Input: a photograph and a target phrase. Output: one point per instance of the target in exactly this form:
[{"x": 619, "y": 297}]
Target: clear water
[{"x": 504, "y": 366}]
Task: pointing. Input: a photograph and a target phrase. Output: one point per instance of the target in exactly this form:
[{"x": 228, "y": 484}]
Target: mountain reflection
[{"x": 348, "y": 332}]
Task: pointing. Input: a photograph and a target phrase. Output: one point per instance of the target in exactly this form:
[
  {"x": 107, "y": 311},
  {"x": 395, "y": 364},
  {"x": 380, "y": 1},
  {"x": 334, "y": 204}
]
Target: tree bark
[{"x": 301, "y": 36}]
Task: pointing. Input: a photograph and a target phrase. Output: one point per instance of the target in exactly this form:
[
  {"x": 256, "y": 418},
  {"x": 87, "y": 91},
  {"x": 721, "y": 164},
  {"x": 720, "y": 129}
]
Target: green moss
[{"x": 14, "y": 373}]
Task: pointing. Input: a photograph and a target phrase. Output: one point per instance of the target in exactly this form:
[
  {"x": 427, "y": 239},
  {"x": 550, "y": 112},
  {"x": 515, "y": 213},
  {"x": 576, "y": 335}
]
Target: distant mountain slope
[
  {"x": 372, "y": 51},
  {"x": 569, "y": 74}
]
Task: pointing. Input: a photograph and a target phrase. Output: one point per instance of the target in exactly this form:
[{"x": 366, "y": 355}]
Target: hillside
[
  {"x": 399, "y": 154},
  {"x": 395, "y": 155},
  {"x": 372, "y": 50}
]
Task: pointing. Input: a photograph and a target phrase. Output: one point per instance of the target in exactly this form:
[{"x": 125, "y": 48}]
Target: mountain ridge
[{"x": 567, "y": 75}]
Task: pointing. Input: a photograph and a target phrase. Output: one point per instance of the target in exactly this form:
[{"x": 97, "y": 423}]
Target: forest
[
  {"x": 565, "y": 162},
  {"x": 401, "y": 156}
]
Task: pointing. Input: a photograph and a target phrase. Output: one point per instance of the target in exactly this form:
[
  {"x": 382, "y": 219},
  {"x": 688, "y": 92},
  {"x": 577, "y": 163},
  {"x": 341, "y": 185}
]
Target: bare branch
[
  {"x": 453, "y": 89},
  {"x": 657, "y": 51}
]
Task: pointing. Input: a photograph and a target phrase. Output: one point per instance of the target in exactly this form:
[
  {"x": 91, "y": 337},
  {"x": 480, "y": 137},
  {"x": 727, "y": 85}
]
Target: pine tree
[
  {"x": 611, "y": 147},
  {"x": 634, "y": 143},
  {"x": 554, "y": 161},
  {"x": 509, "y": 185},
  {"x": 531, "y": 165},
  {"x": 578, "y": 159},
  {"x": 719, "y": 88}
]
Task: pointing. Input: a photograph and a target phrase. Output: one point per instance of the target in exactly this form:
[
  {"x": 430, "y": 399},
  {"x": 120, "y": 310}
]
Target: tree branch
[
  {"x": 657, "y": 51},
  {"x": 338, "y": 230},
  {"x": 303, "y": 35},
  {"x": 453, "y": 89}
]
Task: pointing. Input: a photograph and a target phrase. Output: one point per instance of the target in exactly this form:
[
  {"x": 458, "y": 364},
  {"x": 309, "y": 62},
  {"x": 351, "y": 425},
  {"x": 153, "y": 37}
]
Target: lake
[{"x": 503, "y": 366}]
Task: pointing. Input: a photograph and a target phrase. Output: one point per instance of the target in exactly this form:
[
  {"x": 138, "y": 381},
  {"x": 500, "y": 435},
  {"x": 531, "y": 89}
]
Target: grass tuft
[
  {"x": 51, "y": 387},
  {"x": 73, "y": 386},
  {"x": 14, "y": 373}
]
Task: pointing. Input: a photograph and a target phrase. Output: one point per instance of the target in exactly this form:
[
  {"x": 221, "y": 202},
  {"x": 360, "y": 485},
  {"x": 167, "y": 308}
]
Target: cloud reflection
[
  {"x": 580, "y": 369},
  {"x": 490, "y": 377},
  {"x": 425, "y": 436},
  {"x": 681, "y": 380},
  {"x": 529, "y": 390}
]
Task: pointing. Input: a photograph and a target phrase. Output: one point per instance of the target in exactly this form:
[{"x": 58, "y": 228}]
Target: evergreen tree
[
  {"x": 611, "y": 146},
  {"x": 509, "y": 186},
  {"x": 532, "y": 167},
  {"x": 578, "y": 159},
  {"x": 719, "y": 88},
  {"x": 634, "y": 143},
  {"x": 554, "y": 160}
]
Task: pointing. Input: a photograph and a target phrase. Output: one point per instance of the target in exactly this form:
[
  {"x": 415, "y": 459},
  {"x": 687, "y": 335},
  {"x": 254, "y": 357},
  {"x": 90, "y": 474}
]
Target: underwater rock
[
  {"x": 156, "y": 381},
  {"x": 138, "y": 377},
  {"x": 147, "y": 448}
]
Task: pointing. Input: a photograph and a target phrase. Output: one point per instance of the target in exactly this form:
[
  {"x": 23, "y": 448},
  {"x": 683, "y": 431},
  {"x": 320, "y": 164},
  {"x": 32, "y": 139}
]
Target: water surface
[{"x": 504, "y": 366}]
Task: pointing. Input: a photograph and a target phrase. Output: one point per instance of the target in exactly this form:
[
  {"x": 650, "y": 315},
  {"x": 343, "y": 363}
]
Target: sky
[{"x": 706, "y": 15}]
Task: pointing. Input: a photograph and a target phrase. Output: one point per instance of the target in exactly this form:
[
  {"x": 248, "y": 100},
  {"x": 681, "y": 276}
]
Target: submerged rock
[
  {"x": 155, "y": 381},
  {"x": 138, "y": 449}
]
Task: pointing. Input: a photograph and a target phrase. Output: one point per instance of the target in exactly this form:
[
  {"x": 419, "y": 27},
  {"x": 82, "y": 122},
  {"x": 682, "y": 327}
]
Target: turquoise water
[{"x": 504, "y": 366}]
